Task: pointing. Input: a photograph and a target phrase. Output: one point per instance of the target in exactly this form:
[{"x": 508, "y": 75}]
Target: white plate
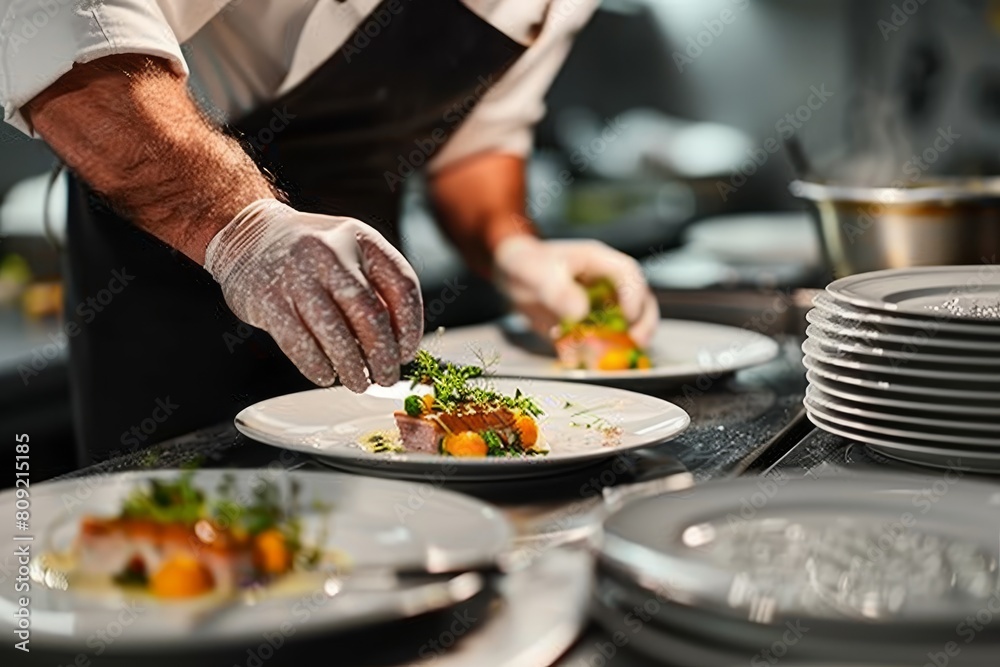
[
  {"x": 773, "y": 237},
  {"x": 983, "y": 440},
  {"x": 834, "y": 344},
  {"x": 952, "y": 459},
  {"x": 928, "y": 338},
  {"x": 891, "y": 368},
  {"x": 826, "y": 303},
  {"x": 449, "y": 532},
  {"x": 927, "y": 416},
  {"x": 330, "y": 423},
  {"x": 911, "y": 386},
  {"x": 852, "y": 392},
  {"x": 922, "y": 291},
  {"x": 680, "y": 350}
]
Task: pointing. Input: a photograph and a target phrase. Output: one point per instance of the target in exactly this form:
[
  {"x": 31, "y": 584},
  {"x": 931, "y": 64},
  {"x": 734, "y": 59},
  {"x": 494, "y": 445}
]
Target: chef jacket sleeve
[
  {"x": 40, "y": 40},
  {"x": 503, "y": 120}
]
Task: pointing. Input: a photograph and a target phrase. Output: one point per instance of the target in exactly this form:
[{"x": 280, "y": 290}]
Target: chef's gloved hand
[
  {"x": 543, "y": 281},
  {"x": 334, "y": 294}
]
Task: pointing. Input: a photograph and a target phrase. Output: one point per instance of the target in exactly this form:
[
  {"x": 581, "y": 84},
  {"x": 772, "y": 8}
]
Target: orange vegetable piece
[
  {"x": 643, "y": 362},
  {"x": 466, "y": 443},
  {"x": 527, "y": 428},
  {"x": 428, "y": 401},
  {"x": 617, "y": 359},
  {"x": 182, "y": 576},
  {"x": 270, "y": 552}
]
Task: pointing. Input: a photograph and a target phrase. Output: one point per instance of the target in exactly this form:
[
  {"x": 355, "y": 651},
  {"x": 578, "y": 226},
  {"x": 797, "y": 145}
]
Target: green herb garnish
[
  {"x": 452, "y": 388},
  {"x": 166, "y": 501}
]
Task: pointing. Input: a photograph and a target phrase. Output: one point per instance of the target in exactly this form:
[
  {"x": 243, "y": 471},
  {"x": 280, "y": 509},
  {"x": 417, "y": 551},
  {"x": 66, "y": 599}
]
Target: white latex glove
[
  {"x": 543, "y": 281},
  {"x": 334, "y": 294}
]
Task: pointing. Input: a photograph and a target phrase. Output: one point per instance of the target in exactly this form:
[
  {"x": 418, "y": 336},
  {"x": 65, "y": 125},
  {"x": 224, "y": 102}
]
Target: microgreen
[{"x": 452, "y": 386}]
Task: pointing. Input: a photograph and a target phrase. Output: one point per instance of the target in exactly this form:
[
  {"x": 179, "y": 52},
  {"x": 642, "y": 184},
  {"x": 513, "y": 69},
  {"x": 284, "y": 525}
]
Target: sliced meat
[
  {"x": 418, "y": 434},
  {"x": 478, "y": 420}
]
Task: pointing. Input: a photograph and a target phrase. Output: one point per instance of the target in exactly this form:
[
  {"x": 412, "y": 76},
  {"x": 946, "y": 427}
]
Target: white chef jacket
[{"x": 239, "y": 54}]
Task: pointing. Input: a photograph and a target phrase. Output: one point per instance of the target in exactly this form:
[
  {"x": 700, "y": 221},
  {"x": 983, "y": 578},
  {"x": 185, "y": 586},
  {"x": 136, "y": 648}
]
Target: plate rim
[
  {"x": 837, "y": 402},
  {"x": 819, "y": 381},
  {"x": 859, "y": 346},
  {"x": 838, "y": 287},
  {"x": 896, "y": 386},
  {"x": 903, "y": 369},
  {"x": 905, "y": 433},
  {"x": 874, "y": 335},
  {"x": 866, "y": 439},
  {"x": 769, "y": 350},
  {"x": 829, "y": 304}
]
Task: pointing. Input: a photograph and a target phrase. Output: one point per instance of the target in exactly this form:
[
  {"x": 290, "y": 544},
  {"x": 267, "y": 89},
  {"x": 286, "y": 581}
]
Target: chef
[{"x": 240, "y": 164}]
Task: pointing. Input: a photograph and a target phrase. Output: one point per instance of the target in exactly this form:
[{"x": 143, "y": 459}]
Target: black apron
[{"x": 155, "y": 351}]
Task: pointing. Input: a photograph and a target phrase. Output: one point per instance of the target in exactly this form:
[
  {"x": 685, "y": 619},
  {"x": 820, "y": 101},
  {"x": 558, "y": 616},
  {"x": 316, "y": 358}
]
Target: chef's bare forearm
[
  {"x": 479, "y": 202},
  {"x": 128, "y": 127}
]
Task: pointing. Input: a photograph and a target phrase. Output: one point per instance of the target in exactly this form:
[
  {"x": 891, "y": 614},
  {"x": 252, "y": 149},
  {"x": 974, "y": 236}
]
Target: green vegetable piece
[
  {"x": 413, "y": 405},
  {"x": 602, "y": 294},
  {"x": 494, "y": 445}
]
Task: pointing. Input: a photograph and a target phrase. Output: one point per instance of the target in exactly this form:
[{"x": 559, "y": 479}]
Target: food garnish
[
  {"x": 462, "y": 416},
  {"x": 600, "y": 341}
]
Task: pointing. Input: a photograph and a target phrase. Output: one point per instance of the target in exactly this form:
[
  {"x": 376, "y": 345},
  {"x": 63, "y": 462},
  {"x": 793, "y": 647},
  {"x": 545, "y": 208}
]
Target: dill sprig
[{"x": 453, "y": 389}]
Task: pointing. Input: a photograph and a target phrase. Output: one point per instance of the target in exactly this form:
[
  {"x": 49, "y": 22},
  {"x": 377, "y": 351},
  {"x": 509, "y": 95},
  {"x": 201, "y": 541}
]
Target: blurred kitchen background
[{"x": 664, "y": 137}]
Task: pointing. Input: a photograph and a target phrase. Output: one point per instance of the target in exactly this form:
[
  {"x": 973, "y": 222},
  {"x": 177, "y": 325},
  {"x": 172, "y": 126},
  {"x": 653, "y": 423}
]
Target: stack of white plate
[
  {"x": 907, "y": 361},
  {"x": 805, "y": 571}
]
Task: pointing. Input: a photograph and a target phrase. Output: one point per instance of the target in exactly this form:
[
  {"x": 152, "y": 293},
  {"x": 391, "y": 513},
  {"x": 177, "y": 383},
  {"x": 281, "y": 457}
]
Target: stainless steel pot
[{"x": 949, "y": 221}]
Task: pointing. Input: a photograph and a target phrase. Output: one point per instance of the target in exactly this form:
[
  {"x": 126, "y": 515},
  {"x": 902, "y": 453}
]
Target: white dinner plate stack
[
  {"x": 817, "y": 572},
  {"x": 907, "y": 361}
]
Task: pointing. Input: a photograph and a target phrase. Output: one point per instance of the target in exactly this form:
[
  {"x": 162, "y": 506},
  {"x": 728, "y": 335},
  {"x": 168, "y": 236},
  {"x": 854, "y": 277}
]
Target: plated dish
[
  {"x": 576, "y": 425},
  {"x": 341, "y": 548},
  {"x": 601, "y": 340},
  {"x": 172, "y": 539},
  {"x": 680, "y": 351},
  {"x": 454, "y": 415}
]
